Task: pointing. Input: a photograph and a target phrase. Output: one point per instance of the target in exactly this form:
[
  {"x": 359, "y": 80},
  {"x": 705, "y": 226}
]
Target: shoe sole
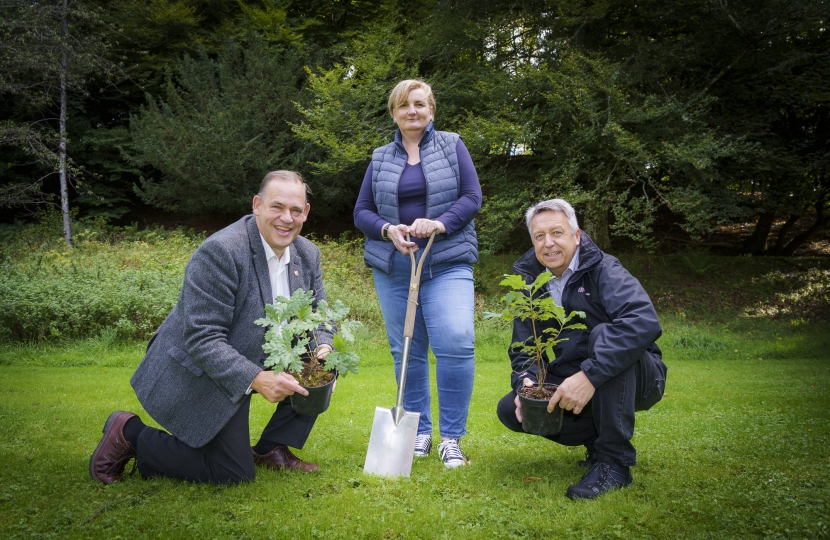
[{"x": 107, "y": 426}]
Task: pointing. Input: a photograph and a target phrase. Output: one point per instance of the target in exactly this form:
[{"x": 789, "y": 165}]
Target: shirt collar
[
  {"x": 574, "y": 264},
  {"x": 286, "y": 255},
  {"x": 575, "y": 261}
]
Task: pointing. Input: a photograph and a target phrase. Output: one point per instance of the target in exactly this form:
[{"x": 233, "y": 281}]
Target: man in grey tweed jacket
[{"x": 206, "y": 359}]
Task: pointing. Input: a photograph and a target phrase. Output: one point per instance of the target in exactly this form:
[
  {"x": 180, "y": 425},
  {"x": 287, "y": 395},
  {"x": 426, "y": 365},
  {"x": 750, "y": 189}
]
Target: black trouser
[
  {"x": 606, "y": 425},
  {"x": 227, "y": 458}
]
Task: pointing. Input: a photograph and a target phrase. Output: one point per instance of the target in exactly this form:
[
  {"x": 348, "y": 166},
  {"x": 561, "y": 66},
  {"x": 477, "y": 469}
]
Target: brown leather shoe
[
  {"x": 113, "y": 452},
  {"x": 281, "y": 458}
]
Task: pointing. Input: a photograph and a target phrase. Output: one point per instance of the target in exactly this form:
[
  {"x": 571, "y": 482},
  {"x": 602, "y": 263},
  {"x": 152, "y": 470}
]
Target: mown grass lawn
[{"x": 738, "y": 448}]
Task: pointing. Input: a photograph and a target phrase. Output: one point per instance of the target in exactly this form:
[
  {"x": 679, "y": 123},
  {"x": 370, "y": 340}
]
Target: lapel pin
[{"x": 296, "y": 273}]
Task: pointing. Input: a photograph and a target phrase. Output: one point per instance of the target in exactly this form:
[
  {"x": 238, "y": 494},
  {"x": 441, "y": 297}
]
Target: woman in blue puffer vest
[{"x": 425, "y": 180}]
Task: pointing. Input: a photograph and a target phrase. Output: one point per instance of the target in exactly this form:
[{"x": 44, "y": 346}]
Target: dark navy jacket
[{"x": 607, "y": 293}]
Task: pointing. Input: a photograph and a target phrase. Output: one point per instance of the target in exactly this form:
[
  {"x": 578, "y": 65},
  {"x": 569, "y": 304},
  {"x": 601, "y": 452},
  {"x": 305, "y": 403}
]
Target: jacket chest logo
[{"x": 582, "y": 290}]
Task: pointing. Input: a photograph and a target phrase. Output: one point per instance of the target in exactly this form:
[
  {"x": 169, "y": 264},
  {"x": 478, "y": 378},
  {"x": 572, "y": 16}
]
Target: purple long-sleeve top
[{"x": 412, "y": 199}]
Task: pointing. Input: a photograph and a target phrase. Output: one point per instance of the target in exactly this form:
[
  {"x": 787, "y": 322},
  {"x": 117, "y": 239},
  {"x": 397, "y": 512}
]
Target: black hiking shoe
[{"x": 599, "y": 479}]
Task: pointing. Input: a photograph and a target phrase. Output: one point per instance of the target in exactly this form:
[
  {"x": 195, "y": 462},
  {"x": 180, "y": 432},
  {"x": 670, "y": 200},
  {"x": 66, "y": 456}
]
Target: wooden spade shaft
[{"x": 409, "y": 323}]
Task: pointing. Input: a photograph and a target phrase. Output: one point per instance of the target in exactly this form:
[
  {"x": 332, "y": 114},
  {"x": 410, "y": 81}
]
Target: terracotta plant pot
[
  {"x": 317, "y": 400},
  {"x": 536, "y": 419}
]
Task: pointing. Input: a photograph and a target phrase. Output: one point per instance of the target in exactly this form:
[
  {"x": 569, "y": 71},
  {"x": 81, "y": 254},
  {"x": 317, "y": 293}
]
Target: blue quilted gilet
[{"x": 440, "y": 164}]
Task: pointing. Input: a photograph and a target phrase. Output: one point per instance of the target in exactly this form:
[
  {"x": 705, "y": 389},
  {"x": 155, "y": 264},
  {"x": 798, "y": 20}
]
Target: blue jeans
[{"x": 444, "y": 321}]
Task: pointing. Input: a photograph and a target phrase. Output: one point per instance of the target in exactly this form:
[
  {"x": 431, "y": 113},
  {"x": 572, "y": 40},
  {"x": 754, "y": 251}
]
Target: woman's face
[{"x": 415, "y": 115}]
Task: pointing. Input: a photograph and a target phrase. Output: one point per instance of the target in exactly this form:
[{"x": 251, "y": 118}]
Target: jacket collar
[
  {"x": 259, "y": 259},
  {"x": 589, "y": 256},
  {"x": 425, "y": 138},
  {"x": 296, "y": 267}
]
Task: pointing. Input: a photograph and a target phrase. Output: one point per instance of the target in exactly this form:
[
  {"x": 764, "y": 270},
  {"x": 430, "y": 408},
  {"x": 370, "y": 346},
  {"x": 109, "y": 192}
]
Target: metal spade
[{"x": 392, "y": 441}]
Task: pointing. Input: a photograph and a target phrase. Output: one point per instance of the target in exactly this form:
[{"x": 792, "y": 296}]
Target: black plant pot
[
  {"x": 317, "y": 400},
  {"x": 536, "y": 419}
]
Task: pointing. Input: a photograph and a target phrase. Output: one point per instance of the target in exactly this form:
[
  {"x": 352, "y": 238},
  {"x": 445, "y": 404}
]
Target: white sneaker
[
  {"x": 451, "y": 453},
  {"x": 423, "y": 444}
]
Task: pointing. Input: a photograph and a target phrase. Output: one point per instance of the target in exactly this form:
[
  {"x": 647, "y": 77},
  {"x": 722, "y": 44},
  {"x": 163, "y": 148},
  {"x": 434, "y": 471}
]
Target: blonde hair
[{"x": 401, "y": 92}]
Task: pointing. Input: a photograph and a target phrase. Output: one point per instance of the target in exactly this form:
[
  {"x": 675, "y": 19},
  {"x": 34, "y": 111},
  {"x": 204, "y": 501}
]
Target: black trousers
[
  {"x": 227, "y": 458},
  {"x": 606, "y": 425}
]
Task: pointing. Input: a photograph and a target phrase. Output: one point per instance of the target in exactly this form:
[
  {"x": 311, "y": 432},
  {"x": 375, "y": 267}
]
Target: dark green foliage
[
  {"x": 310, "y": 23},
  {"x": 551, "y": 101},
  {"x": 49, "y": 52},
  {"x": 33, "y": 44},
  {"x": 646, "y": 115},
  {"x": 347, "y": 117},
  {"x": 108, "y": 185},
  {"x": 222, "y": 126},
  {"x": 770, "y": 91},
  {"x": 575, "y": 127}
]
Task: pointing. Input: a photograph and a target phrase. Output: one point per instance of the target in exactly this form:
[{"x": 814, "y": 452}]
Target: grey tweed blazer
[{"x": 208, "y": 350}]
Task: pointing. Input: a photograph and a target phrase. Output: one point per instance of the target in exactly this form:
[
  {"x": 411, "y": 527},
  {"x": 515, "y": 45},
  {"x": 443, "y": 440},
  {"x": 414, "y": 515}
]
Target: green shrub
[
  {"x": 348, "y": 279},
  {"x": 121, "y": 282},
  {"x": 117, "y": 280}
]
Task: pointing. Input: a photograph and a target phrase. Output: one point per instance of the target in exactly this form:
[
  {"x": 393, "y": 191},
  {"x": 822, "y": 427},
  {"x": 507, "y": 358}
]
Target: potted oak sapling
[
  {"x": 532, "y": 301},
  {"x": 291, "y": 339}
]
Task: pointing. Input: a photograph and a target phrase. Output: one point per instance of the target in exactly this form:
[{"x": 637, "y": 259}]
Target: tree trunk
[
  {"x": 821, "y": 221},
  {"x": 67, "y": 230},
  {"x": 782, "y": 234},
  {"x": 596, "y": 225},
  {"x": 756, "y": 244}
]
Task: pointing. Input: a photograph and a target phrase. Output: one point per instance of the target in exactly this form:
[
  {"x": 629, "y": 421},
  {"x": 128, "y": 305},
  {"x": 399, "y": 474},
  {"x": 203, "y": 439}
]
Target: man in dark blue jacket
[{"x": 605, "y": 372}]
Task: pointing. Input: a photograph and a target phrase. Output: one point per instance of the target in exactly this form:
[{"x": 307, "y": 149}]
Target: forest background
[
  {"x": 666, "y": 123},
  {"x": 681, "y": 130}
]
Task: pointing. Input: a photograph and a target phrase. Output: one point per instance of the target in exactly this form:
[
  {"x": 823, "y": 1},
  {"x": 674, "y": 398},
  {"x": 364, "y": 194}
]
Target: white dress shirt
[
  {"x": 277, "y": 270},
  {"x": 557, "y": 285},
  {"x": 278, "y": 275}
]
